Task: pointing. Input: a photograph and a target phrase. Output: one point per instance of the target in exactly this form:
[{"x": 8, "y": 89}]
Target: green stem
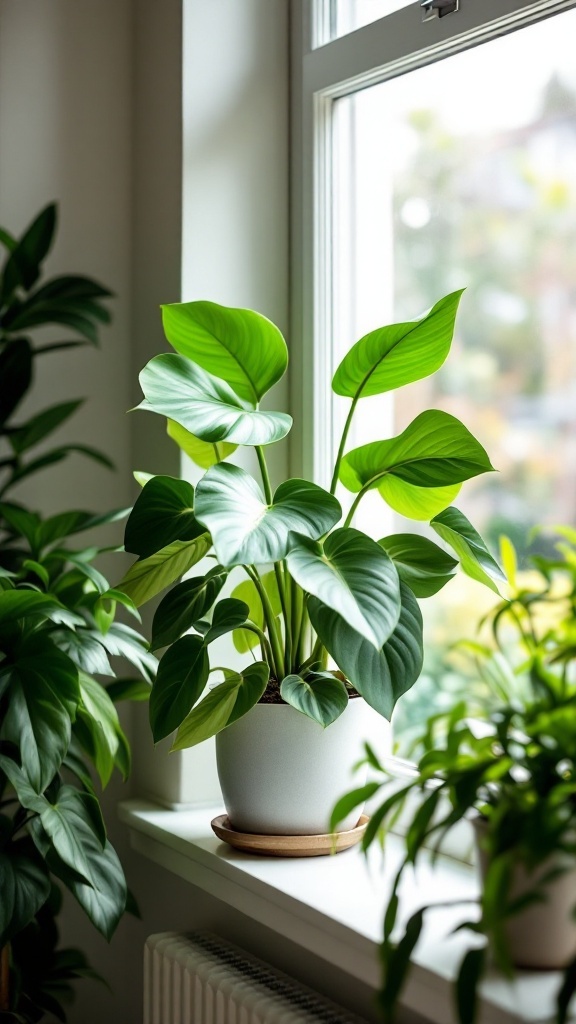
[
  {"x": 354, "y": 506},
  {"x": 343, "y": 440},
  {"x": 297, "y": 602},
  {"x": 277, "y": 662},
  {"x": 264, "y": 643},
  {"x": 265, "y": 474},
  {"x": 280, "y": 573}
]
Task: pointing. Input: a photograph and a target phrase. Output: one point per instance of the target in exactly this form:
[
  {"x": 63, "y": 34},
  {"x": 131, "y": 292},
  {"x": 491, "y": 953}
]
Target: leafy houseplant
[
  {"x": 508, "y": 759},
  {"x": 313, "y": 589},
  {"x": 58, "y": 630}
]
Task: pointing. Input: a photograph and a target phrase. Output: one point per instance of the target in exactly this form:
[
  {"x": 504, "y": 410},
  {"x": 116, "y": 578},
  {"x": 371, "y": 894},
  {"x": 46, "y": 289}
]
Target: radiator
[{"x": 203, "y": 979}]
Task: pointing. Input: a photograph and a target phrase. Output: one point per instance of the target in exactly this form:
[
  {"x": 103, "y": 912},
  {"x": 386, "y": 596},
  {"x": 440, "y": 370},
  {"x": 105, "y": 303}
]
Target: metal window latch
[{"x": 438, "y": 8}]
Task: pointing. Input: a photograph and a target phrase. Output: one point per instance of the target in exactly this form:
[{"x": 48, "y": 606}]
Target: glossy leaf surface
[
  {"x": 420, "y": 563},
  {"x": 381, "y": 677},
  {"x": 223, "y": 705},
  {"x": 185, "y": 603},
  {"x": 420, "y": 503},
  {"x": 349, "y": 575},
  {"x": 245, "y": 529},
  {"x": 182, "y": 676},
  {"x": 320, "y": 697},
  {"x": 476, "y": 561},
  {"x": 435, "y": 450},
  {"x": 392, "y": 356},
  {"x": 150, "y": 576},
  {"x": 237, "y": 345},
  {"x": 206, "y": 406},
  {"x": 163, "y": 513},
  {"x": 203, "y": 453}
]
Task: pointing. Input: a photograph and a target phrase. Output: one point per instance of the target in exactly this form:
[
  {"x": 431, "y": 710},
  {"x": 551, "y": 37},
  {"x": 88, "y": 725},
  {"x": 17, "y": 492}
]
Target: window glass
[
  {"x": 463, "y": 174},
  {"x": 346, "y": 16}
]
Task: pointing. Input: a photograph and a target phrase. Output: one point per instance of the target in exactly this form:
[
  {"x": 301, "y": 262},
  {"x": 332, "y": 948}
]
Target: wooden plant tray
[{"x": 288, "y": 846}]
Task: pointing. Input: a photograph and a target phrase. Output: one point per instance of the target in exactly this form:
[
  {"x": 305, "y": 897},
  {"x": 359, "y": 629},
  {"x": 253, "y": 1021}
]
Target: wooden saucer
[{"x": 288, "y": 846}]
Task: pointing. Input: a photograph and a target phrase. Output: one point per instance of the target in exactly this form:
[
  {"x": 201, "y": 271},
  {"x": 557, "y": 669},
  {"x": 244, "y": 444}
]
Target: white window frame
[{"x": 384, "y": 49}]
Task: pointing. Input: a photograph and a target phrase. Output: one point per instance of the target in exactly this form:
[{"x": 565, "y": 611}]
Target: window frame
[{"x": 384, "y": 49}]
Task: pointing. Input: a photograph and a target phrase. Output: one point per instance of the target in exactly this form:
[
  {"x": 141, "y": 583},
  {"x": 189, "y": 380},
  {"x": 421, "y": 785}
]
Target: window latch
[{"x": 438, "y": 8}]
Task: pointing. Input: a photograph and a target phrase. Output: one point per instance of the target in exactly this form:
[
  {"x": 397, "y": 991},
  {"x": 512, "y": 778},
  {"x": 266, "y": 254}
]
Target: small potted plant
[
  {"x": 311, "y": 586},
  {"x": 506, "y": 761}
]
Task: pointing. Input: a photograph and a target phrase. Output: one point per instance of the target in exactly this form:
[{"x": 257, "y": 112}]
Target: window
[{"x": 440, "y": 155}]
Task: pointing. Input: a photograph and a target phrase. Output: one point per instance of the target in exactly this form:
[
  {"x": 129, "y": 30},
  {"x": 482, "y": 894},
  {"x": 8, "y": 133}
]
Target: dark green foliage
[
  {"x": 510, "y": 762},
  {"x": 58, "y": 633}
]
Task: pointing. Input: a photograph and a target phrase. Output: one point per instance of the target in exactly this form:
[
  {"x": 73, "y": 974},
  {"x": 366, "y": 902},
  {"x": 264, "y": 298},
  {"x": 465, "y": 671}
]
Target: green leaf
[
  {"x": 435, "y": 450},
  {"x": 128, "y": 689},
  {"x": 71, "y": 824},
  {"x": 15, "y": 374},
  {"x": 381, "y": 677},
  {"x": 246, "y": 591},
  {"x": 25, "y": 888},
  {"x": 351, "y": 574},
  {"x": 164, "y": 512},
  {"x": 420, "y": 563},
  {"x": 207, "y": 407},
  {"x": 238, "y": 345},
  {"x": 469, "y": 975},
  {"x": 184, "y": 605},
  {"x": 475, "y": 559},
  {"x": 64, "y": 524},
  {"x": 19, "y": 604},
  {"x": 223, "y": 705},
  {"x": 84, "y": 649},
  {"x": 355, "y": 798},
  {"x": 23, "y": 265},
  {"x": 121, "y": 641},
  {"x": 397, "y": 962},
  {"x": 101, "y": 718},
  {"x": 392, "y": 356},
  {"x": 420, "y": 503},
  {"x": 44, "y": 423},
  {"x": 320, "y": 697},
  {"x": 229, "y": 614},
  {"x": 245, "y": 529},
  {"x": 43, "y": 697},
  {"x": 182, "y": 676},
  {"x": 149, "y": 576},
  {"x": 203, "y": 453}
]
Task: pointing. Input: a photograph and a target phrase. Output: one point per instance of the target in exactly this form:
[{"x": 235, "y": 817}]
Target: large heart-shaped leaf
[
  {"x": 184, "y": 605},
  {"x": 207, "y": 407},
  {"x": 420, "y": 503},
  {"x": 149, "y": 576},
  {"x": 476, "y": 561},
  {"x": 25, "y": 888},
  {"x": 435, "y": 450},
  {"x": 182, "y": 676},
  {"x": 225, "y": 704},
  {"x": 350, "y": 576},
  {"x": 238, "y": 345},
  {"x": 420, "y": 563},
  {"x": 396, "y": 355},
  {"x": 320, "y": 697},
  {"x": 245, "y": 529},
  {"x": 380, "y": 676},
  {"x": 229, "y": 614},
  {"x": 203, "y": 453},
  {"x": 244, "y": 639},
  {"x": 43, "y": 697},
  {"x": 164, "y": 512}
]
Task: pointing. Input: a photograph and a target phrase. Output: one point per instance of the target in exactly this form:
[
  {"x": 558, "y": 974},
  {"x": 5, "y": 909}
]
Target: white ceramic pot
[
  {"x": 281, "y": 773},
  {"x": 543, "y": 936}
]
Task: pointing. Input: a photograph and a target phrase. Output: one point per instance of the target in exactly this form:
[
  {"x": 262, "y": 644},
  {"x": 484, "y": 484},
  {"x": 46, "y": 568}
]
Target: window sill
[{"x": 333, "y": 907}]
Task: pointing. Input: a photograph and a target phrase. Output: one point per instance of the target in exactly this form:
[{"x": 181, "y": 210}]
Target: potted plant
[
  {"x": 59, "y": 727},
  {"x": 312, "y": 586},
  {"x": 506, "y": 760}
]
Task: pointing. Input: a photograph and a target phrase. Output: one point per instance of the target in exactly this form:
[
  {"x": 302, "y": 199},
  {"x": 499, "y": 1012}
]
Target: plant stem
[
  {"x": 281, "y": 581},
  {"x": 297, "y": 602},
  {"x": 277, "y": 660},
  {"x": 343, "y": 440},
  {"x": 353, "y": 508},
  {"x": 265, "y": 474},
  {"x": 264, "y": 643}
]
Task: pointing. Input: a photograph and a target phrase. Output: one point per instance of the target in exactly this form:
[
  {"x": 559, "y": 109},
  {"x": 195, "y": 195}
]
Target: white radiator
[{"x": 202, "y": 979}]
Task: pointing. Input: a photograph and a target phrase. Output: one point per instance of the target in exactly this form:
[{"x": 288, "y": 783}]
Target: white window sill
[{"x": 333, "y": 907}]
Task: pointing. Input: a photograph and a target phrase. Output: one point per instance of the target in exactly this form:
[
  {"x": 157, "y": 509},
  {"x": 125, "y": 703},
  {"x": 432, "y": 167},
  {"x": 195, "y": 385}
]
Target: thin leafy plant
[
  {"x": 507, "y": 760},
  {"x": 59, "y": 641}
]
